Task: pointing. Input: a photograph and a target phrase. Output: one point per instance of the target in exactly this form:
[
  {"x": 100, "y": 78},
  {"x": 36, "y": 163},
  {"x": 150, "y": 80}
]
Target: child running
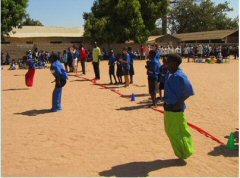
[
  {"x": 178, "y": 88},
  {"x": 153, "y": 67},
  {"x": 111, "y": 63}
]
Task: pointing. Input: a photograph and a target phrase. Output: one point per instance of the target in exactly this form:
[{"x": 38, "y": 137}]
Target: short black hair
[
  {"x": 53, "y": 57},
  {"x": 151, "y": 54},
  {"x": 174, "y": 58}
]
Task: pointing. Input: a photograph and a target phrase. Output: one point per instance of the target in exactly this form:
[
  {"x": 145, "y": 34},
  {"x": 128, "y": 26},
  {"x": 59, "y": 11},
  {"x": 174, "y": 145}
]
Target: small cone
[
  {"x": 231, "y": 142},
  {"x": 133, "y": 98}
]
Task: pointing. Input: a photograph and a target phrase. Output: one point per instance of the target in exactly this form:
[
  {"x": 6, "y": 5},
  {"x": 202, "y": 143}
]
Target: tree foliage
[
  {"x": 121, "y": 20},
  {"x": 31, "y": 22},
  {"x": 12, "y": 14},
  {"x": 201, "y": 15}
]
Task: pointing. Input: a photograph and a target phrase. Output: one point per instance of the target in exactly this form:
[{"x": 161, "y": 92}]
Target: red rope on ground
[{"x": 200, "y": 130}]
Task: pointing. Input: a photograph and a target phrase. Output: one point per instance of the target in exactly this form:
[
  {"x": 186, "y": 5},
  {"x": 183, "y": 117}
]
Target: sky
[{"x": 69, "y": 13}]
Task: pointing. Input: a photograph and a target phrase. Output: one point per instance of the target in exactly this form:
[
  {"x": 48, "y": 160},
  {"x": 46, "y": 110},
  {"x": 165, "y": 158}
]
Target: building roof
[
  {"x": 207, "y": 35},
  {"x": 43, "y": 31},
  {"x": 152, "y": 39}
]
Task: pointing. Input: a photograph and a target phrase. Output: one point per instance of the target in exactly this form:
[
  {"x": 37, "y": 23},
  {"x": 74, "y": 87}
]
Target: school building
[
  {"x": 215, "y": 37},
  {"x": 44, "y": 38},
  {"x": 59, "y": 38}
]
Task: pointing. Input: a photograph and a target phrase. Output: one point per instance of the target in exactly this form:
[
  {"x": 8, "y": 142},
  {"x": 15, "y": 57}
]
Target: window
[
  {"x": 5, "y": 42},
  {"x": 55, "y": 41},
  {"x": 76, "y": 41}
]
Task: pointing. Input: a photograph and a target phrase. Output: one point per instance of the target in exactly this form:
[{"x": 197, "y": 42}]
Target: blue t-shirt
[
  {"x": 31, "y": 63},
  {"x": 126, "y": 57},
  {"x": 158, "y": 55},
  {"x": 162, "y": 73},
  {"x": 177, "y": 86},
  {"x": 112, "y": 61},
  {"x": 132, "y": 57},
  {"x": 154, "y": 68},
  {"x": 58, "y": 70}
]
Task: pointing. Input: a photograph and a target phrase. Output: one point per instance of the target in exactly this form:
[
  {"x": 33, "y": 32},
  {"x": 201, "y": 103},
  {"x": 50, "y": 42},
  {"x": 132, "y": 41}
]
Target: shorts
[
  {"x": 125, "y": 71},
  {"x": 131, "y": 71},
  {"x": 75, "y": 61},
  {"x": 161, "y": 86},
  {"x": 111, "y": 70},
  {"x": 152, "y": 85}
]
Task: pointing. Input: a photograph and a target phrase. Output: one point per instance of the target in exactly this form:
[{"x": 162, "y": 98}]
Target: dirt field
[{"x": 99, "y": 133}]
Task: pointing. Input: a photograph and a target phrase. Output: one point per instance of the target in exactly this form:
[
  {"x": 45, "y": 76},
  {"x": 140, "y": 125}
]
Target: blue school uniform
[
  {"x": 177, "y": 86},
  {"x": 153, "y": 75},
  {"x": 162, "y": 75},
  {"x": 132, "y": 58},
  {"x": 61, "y": 77},
  {"x": 126, "y": 66},
  {"x": 111, "y": 63},
  {"x": 158, "y": 55}
]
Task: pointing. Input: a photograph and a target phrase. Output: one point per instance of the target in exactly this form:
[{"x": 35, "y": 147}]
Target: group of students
[
  {"x": 177, "y": 88},
  {"x": 124, "y": 64}
]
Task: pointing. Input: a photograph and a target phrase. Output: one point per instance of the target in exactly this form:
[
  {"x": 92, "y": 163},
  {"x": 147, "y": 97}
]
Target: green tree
[
  {"x": 31, "y": 22},
  {"x": 12, "y": 14},
  {"x": 122, "y": 20},
  {"x": 202, "y": 15}
]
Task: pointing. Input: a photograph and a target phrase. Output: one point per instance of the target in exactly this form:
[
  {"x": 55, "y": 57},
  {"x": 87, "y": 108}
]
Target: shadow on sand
[
  {"x": 15, "y": 89},
  {"x": 223, "y": 150},
  {"x": 34, "y": 112},
  {"x": 79, "y": 80},
  {"x": 140, "y": 169},
  {"x": 130, "y": 108}
]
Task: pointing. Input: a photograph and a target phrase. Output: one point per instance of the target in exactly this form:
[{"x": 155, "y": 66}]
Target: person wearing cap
[
  {"x": 177, "y": 88},
  {"x": 61, "y": 77},
  {"x": 96, "y": 54}
]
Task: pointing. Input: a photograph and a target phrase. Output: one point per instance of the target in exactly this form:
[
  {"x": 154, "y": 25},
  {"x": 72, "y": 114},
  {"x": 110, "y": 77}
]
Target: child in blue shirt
[
  {"x": 162, "y": 74},
  {"x": 126, "y": 66},
  {"x": 178, "y": 88},
  {"x": 61, "y": 77},
  {"x": 132, "y": 58},
  {"x": 153, "y": 67},
  {"x": 111, "y": 63},
  {"x": 119, "y": 69}
]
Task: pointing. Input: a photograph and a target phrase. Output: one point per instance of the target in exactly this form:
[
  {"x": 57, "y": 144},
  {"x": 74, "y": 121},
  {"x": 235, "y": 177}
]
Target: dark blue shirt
[
  {"x": 31, "y": 63},
  {"x": 112, "y": 61},
  {"x": 162, "y": 73},
  {"x": 132, "y": 57},
  {"x": 154, "y": 68},
  {"x": 177, "y": 86},
  {"x": 158, "y": 55}
]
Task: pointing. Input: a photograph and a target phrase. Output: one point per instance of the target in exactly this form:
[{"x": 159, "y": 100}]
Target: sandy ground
[{"x": 99, "y": 133}]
